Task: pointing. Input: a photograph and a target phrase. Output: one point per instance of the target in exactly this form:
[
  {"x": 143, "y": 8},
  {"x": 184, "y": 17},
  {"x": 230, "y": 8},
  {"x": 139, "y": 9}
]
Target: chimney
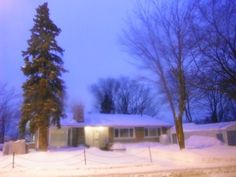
[{"x": 78, "y": 112}]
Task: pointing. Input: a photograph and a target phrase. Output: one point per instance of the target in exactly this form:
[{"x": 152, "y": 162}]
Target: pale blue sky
[{"x": 90, "y": 30}]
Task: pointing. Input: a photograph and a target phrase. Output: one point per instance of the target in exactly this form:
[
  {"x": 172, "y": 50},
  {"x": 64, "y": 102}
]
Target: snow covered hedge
[{"x": 201, "y": 142}]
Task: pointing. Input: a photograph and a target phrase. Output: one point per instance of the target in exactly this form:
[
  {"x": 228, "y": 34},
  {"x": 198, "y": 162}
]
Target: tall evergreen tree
[{"x": 44, "y": 88}]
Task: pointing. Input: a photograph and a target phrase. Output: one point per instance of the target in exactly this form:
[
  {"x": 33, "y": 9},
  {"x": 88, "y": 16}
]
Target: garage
[{"x": 231, "y": 136}]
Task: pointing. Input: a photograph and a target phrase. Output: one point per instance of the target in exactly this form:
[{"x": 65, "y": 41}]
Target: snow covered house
[
  {"x": 223, "y": 131},
  {"x": 100, "y": 130}
]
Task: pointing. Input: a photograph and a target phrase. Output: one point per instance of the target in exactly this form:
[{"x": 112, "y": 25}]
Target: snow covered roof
[
  {"x": 191, "y": 127},
  {"x": 114, "y": 120}
]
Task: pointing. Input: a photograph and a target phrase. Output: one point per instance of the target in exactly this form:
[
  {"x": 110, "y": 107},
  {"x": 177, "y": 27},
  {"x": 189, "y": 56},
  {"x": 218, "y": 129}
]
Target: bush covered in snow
[
  {"x": 118, "y": 146},
  {"x": 201, "y": 142}
]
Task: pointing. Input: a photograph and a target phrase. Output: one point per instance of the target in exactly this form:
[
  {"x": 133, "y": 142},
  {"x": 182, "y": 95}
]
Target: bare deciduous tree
[
  {"x": 104, "y": 88},
  {"x": 160, "y": 37},
  {"x": 124, "y": 96},
  {"x": 9, "y": 114},
  {"x": 215, "y": 33},
  {"x": 218, "y": 106},
  {"x": 135, "y": 98}
]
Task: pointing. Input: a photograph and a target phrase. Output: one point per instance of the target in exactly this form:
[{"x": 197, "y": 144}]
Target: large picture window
[
  {"x": 124, "y": 133},
  {"x": 152, "y": 132}
]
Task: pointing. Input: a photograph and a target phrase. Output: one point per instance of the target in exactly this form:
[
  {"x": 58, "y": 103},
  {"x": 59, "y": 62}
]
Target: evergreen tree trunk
[{"x": 42, "y": 138}]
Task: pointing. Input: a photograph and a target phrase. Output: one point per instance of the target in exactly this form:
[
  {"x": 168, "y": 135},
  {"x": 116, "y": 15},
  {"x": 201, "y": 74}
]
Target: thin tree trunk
[
  {"x": 188, "y": 111},
  {"x": 1, "y": 135},
  {"x": 180, "y": 133},
  {"x": 2, "y": 131}
]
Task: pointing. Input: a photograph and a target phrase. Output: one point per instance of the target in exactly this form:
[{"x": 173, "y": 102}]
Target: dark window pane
[
  {"x": 152, "y": 132},
  {"x": 124, "y": 132},
  {"x": 116, "y": 133}
]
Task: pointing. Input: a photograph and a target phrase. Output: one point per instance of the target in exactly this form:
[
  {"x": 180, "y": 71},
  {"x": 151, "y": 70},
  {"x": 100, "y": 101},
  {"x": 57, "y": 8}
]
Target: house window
[
  {"x": 152, "y": 132},
  {"x": 124, "y": 133}
]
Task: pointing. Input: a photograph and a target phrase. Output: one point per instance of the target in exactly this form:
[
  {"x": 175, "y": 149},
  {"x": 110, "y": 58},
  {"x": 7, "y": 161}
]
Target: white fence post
[
  {"x": 85, "y": 161},
  {"x": 13, "y": 160}
]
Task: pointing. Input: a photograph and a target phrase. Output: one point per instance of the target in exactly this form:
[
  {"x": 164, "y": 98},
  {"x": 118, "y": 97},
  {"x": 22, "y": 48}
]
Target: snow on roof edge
[{"x": 114, "y": 120}]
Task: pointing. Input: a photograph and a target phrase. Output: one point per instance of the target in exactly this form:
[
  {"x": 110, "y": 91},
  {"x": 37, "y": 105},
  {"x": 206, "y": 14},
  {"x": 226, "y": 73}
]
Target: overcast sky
[{"x": 90, "y": 30}]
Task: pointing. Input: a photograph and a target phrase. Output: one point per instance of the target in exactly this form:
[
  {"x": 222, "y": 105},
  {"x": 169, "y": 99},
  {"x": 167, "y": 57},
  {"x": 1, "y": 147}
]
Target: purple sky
[{"x": 90, "y": 30}]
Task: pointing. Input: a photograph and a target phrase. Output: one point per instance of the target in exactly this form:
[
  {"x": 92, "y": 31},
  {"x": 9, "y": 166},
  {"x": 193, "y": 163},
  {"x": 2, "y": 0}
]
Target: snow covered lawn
[{"x": 145, "y": 158}]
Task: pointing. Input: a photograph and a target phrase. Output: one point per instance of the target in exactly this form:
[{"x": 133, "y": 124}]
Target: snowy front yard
[{"x": 137, "y": 158}]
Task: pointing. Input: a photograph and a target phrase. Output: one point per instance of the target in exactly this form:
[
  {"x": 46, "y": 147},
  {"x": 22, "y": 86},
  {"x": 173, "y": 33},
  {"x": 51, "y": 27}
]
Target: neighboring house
[
  {"x": 224, "y": 131},
  {"x": 101, "y": 130}
]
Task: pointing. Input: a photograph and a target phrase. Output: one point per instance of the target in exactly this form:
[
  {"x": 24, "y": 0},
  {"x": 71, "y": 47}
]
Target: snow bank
[
  {"x": 118, "y": 146},
  {"x": 201, "y": 142},
  {"x": 143, "y": 157},
  {"x": 128, "y": 146},
  {"x": 61, "y": 149}
]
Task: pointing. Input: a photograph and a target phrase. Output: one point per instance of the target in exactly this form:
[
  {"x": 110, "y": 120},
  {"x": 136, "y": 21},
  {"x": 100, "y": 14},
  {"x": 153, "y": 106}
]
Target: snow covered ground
[{"x": 208, "y": 157}]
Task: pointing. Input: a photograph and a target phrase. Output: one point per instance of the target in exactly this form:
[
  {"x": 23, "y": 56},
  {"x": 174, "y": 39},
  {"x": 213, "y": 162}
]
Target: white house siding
[{"x": 58, "y": 137}]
